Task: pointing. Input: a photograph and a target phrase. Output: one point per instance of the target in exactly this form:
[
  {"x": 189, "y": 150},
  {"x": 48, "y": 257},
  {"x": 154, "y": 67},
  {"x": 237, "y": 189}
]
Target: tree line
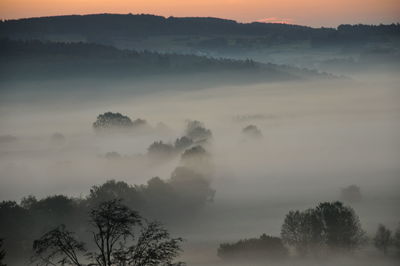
[
  {"x": 44, "y": 59},
  {"x": 105, "y": 26},
  {"x": 329, "y": 228},
  {"x": 118, "y": 235}
]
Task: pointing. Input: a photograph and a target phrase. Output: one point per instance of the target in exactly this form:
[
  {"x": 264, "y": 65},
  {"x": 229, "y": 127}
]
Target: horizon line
[{"x": 167, "y": 17}]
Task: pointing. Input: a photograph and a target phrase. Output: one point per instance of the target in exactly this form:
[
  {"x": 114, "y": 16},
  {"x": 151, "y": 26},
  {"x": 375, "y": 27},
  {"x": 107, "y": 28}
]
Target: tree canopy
[{"x": 330, "y": 226}]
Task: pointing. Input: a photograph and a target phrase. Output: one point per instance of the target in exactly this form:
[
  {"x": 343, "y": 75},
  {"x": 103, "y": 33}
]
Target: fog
[{"x": 317, "y": 138}]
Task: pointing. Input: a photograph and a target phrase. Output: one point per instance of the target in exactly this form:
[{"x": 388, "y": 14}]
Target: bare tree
[
  {"x": 113, "y": 223},
  {"x": 114, "y": 228},
  {"x": 57, "y": 247},
  {"x": 153, "y": 247}
]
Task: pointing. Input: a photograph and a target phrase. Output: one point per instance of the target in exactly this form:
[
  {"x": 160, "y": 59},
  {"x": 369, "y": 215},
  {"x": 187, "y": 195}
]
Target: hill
[
  {"x": 117, "y": 28},
  {"x": 37, "y": 60}
]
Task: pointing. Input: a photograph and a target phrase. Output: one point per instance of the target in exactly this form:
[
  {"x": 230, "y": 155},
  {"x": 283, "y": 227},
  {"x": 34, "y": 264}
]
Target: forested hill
[
  {"x": 25, "y": 60},
  {"x": 117, "y": 25}
]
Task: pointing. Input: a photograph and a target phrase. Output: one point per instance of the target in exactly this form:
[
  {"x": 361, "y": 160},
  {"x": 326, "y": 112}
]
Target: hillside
[
  {"x": 116, "y": 28},
  {"x": 37, "y": 60}
]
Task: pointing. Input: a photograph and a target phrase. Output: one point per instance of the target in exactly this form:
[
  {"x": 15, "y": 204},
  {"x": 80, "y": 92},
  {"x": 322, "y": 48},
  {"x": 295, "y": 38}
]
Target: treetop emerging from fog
[{"x": 111, "y": 120}]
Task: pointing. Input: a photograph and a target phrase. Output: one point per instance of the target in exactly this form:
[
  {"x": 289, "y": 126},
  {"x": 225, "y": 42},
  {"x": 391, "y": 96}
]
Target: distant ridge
[
  {"x": 136, "y": 24},
  {"x": 37, "y": 60},
  {"x": 117, "y": 25}
]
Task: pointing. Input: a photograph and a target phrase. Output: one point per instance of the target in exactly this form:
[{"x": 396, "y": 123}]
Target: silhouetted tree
[
  {"x": 198, "y": 160},
  {"x": 153, "y": 247},
  {"x": 264, "y": 247},
  {"x": 28, "y": 202},
  {"x": 113, "y": 223},
  {"x": 340, "y": 226},
  {"x": 329, "y": 225},
  {"x": 192, "y": 188},
  {"x": 53, "y": 211},
  {"x": 57, "y": 247},
  {"x": 302, "y": 230},
  {"x": 114, "y": 229},
  {"x": 382, "y": 239},
  {"x": 196, "y": 131},
  {"x": 196, "y": 151},
  {"x": 15, "y": 226},
  {"x": 161, "y": 150},
  {"x": 112, "y": 120},
  {"x": 183, "y": 143},
  {"x": 112, "y": 190}
]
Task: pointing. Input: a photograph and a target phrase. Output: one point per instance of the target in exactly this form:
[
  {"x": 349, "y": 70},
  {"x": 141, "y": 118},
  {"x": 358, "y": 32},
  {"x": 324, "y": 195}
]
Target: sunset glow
[{"x": 306, "y": 12}]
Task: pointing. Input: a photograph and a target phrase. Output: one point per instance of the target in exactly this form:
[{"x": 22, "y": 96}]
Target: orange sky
[{"x": 305, "y": 12}]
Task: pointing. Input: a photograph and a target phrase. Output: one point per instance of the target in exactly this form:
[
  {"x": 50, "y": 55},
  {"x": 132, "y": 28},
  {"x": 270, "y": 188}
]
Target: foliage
[
  {"x": 383, "y": 239},
  {"x": 331, "y": 226},
  {"x": 198, "y": 160},
  {"x": 112, "y": 120},
  {"x": 264, "y": 247},
  {"x": 16, "y": 224},
  {"x": 37, "y": 60},
  {"x": 171, "y": 200},
  {"x": 196, "y": 151},
  {"x": 191, "y": 187},
  {"x": 159, "y": 149},
  {"x": 196, "y": 131},
  {"x": 302, "y": 230},
  {"x": 183, "y": 143}
]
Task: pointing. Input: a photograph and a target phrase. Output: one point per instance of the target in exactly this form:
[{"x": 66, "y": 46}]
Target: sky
[{"x": 304, "y": 12}]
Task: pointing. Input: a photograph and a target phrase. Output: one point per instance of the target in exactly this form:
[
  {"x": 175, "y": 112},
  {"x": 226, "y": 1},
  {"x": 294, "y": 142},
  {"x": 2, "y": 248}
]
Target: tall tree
[
  {"x": 113, "y": 223},
  {"x": 302, "y": 230},
  {"x": 341, "y": 226},
  {"x": 383, "y": 239},
  {"x": 329, "y": 225}
]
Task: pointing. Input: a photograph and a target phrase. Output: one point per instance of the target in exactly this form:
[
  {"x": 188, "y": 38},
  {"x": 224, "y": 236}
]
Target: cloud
[{"x": 276, "y": 20}]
